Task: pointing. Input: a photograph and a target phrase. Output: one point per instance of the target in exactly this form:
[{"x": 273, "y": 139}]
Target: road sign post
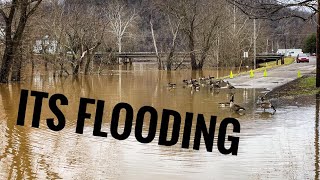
[{"x": 245, "y": 54}]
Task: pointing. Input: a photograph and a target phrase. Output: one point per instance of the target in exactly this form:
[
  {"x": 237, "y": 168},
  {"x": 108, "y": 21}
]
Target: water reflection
[
  {"x": 16, "y": 152},
  {"x": 268, "y": 142}
]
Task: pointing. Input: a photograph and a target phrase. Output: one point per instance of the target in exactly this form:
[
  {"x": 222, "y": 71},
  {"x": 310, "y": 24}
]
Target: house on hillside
[{"x": 45, "y": 45}]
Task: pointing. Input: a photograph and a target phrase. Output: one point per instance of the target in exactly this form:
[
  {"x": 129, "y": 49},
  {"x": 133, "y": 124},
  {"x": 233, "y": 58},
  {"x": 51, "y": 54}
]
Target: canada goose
[
  {"x": 194, "y": 81},
  {"x": 235, "y": 107},
  {"x": 202, "y": 78},
  {"x": 221, "y": 83},
  {"x": 214, "y": 85},
  {"x": 171, "y": 85},
  {"x": 229, "y": 86},
  {"x": 196, "y": 86},
  {"x": 265, "y": 104},
  {"x": 187, "y": 82}
]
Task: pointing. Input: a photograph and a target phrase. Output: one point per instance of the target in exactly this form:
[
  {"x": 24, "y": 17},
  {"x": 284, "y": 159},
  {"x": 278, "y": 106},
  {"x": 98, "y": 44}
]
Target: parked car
[{"x": 302, "y": 58}]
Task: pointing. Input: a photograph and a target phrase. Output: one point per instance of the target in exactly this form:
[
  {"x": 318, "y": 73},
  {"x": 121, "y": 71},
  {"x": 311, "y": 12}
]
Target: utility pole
[
  {"x": 318, "y": 49},
  {"x": 285, "y": 44},
  {"x": 234, "y": 20},
  {"x": 218, "y": 43},
  {"x": 267, "y": 46},
  {"x": 255, "y": 45}
]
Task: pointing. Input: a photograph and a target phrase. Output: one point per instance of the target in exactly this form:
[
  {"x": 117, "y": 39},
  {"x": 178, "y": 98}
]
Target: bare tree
[
  {"x": 199, "y": 28},
  {"x": 83, "y": 35},
  {"x": 174, "y": 29},
  {"x": 120, "y": 18},
  {"x": 238, "y": 37}
]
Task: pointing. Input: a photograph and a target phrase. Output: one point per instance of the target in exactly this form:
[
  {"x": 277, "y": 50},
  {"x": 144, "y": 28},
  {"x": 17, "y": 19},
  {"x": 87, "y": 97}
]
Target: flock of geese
[
  {"x": 211, "y": 82},
  {"x": 216, "y": 84}
]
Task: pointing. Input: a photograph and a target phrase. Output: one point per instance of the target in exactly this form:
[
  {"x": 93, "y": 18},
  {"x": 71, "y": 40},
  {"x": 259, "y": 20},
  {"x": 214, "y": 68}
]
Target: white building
[
  {"x": 290, "y": 52},
  {"x": 50, "y": 46},
  {"x": 2, "y": 33}
]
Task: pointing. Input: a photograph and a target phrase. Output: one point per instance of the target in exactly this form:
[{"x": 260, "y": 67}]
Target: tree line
[{"x": 70, "y": 33}]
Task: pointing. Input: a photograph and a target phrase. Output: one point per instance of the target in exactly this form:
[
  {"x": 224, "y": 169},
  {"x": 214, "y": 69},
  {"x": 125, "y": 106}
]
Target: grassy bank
[
  {"x": 287, "y": 61},
  {"x": 263, "y": 66},
  {"x": 305, "y": 85}
]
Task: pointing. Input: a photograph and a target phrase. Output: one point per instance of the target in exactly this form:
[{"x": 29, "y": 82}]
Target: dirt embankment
[
  {"x": 301, "y": 91},
  {"x": 301, "y": 88}
]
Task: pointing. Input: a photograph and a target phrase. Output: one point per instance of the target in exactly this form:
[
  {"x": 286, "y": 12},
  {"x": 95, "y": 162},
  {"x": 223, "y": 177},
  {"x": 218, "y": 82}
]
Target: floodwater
[{"x": 284, "y": 145}]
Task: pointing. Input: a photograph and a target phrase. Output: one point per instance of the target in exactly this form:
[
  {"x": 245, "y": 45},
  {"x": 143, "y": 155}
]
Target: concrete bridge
[
  {"x": 262, "y": 58},
  {"x": 129, "y": 57}
]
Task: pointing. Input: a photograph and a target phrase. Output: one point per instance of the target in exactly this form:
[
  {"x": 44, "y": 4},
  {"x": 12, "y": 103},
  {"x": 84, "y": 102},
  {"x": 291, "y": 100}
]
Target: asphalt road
[{"x": 275, "y": 76}]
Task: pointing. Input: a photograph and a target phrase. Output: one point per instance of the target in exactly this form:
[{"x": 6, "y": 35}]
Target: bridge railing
[
  {"x": 262, "y": 58},
  {"x": 128, "y": 56}
]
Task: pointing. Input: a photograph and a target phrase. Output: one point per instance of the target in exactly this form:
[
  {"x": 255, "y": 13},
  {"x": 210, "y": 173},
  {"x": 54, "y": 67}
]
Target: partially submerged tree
[
  {"x": 15, "y": 14},
  {"x": 82, "y": 35}
]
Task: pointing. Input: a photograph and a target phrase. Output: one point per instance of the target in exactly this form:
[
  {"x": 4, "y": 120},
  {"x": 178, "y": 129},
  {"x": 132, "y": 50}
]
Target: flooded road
[{"x": 283, "y": 145}]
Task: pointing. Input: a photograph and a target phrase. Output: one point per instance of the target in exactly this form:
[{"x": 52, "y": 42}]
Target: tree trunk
[
  {"x": 32, "y": 61},
  {"x": 202, "y": 59},
  {"x": 79, "y": 62},
  {"x": 46, "y": 64},
  {"x": 318, "y": 49},
  {"x": 6, "y": 63},
  {"x": 32, "y": 65},
  {"x": 169, "y": 59},
  {"x": 86, "y": 70},
  {"x": 61, "y": 69},
  {"x": 155, "y": 46},
  {"x": 16, "y": 69},
  {"x": 119, "y": 48},
  {"x": 90, "y": 53},
  {"x": 172, "y": 49},
  {"x": 192, "y": 53},
  {"x": 17, "y": 65},
  {"x": 75, "y": 68}
]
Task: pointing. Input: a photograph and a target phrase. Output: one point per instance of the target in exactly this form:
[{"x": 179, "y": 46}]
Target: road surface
[{"x": 275, "y": 76}]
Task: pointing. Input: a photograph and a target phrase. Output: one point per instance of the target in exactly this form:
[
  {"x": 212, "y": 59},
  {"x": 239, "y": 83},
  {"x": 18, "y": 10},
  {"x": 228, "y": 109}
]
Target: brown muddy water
[{"x": 283, "y": 145}]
